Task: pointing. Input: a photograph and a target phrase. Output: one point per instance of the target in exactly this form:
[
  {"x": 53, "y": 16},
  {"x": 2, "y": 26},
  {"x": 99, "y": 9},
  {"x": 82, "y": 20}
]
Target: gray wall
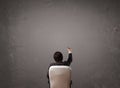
[{"x": 32, "y": 30}]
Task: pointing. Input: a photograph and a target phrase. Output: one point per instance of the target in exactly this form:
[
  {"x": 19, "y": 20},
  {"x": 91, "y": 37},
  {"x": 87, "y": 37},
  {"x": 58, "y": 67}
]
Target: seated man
[{"x": 58, "y": 57}]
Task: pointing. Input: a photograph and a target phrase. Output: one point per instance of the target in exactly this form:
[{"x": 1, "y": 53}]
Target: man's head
[{"x": 58, "y": 57}]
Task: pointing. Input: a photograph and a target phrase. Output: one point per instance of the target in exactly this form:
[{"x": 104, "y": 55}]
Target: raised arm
[{"x": 69, "y": 60}]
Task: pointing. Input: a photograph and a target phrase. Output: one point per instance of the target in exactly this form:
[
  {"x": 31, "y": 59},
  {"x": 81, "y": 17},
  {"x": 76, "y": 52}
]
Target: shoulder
[
  {"x": 52, "y": 64},
  {"x": 66, "y": 63}
]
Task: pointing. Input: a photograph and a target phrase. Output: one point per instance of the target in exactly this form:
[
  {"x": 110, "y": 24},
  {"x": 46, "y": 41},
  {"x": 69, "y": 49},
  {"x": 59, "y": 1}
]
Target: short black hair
[{"x": 58, "y": 57}]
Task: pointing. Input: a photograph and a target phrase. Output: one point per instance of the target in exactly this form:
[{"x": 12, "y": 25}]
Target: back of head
[{"x": 58, "y": 57}]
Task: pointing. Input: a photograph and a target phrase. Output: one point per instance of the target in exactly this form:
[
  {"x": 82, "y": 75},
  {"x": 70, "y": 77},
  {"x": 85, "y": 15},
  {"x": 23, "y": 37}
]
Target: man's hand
[{"x": 69, "y": 50}]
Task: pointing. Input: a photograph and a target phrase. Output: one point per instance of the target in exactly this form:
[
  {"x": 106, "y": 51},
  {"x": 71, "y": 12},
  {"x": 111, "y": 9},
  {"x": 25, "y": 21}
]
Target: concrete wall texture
[{"x": 32, "y": 30}]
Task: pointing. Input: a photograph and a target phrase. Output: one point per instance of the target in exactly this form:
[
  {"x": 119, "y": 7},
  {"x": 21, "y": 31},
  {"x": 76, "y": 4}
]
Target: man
[{"x": 58, "y": 57}]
